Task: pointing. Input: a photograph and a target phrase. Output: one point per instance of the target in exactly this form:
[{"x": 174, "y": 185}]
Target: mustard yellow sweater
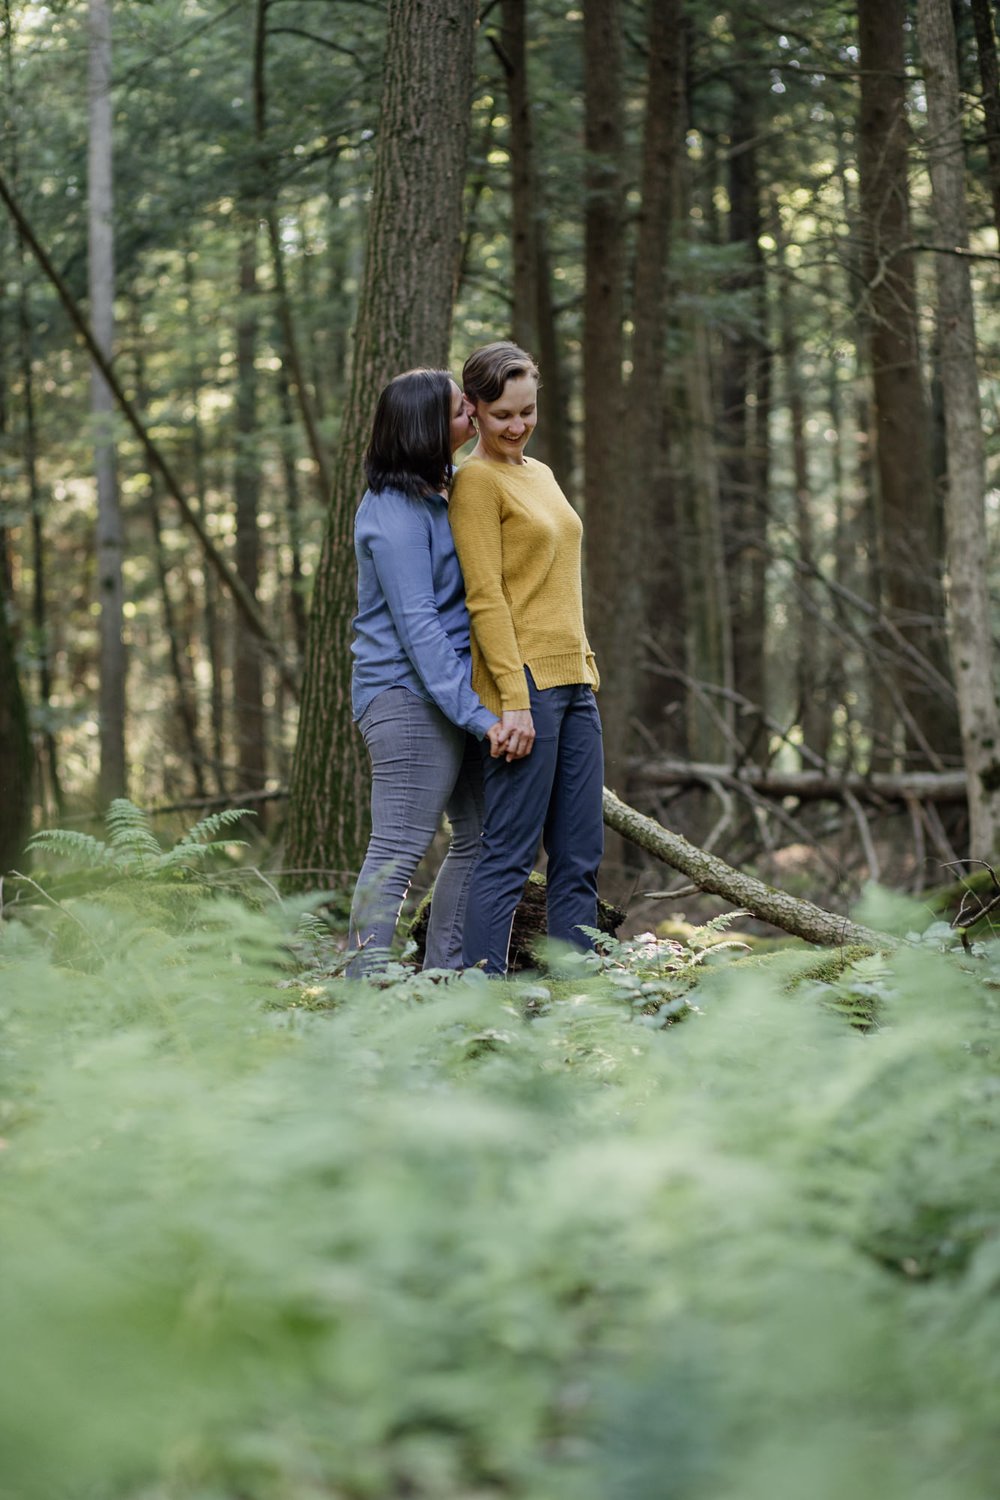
[{"x": 518, "y": 540}]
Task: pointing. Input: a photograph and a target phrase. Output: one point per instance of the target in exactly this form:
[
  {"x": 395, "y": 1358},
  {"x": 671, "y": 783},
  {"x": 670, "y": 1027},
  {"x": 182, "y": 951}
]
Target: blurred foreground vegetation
[{"x": 672, "y": 1230}]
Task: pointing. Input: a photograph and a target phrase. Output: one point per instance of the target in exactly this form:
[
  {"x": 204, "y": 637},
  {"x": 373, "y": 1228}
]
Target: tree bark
[
  {"x": 404, "y": 319},
  {"x": 109, "y": 537},
  {"x": 910, "y": 541},
  {"x": 969, "y": 613},
  {"x": 709, "y": 873}
]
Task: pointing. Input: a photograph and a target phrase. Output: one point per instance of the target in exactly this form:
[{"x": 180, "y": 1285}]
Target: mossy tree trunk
[{"x": 404, "y": 319}]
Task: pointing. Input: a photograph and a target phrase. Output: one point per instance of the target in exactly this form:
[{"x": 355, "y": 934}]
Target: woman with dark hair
[
  {"x": 411, "y": 689},
  {"x": 519, "y": 544}
]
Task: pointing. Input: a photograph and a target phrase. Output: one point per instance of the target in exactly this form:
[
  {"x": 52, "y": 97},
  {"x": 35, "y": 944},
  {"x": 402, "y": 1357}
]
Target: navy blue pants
[{"x": 552, "y": 796}]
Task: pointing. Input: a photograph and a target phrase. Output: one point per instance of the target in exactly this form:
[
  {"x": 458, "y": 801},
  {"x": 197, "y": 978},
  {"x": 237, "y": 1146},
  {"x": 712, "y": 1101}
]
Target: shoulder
[
  {"x": 475, "y": 481},
  {"x": 389, "y": 510},
  {"x": 474, "y": 472}
]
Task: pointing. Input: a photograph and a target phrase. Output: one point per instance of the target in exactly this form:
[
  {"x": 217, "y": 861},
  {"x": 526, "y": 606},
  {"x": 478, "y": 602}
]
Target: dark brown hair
[
  {"x": 410, "y": 447},
  {"x": 487, "y": 370}
]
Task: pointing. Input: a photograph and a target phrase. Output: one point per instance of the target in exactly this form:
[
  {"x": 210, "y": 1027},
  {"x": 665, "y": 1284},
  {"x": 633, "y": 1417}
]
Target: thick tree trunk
[
  {"x": 404, "y": 319},
  {"x": 109, "y": 539},
  {"x": 709, "y": 873},
  {"x": 910, "y": 528},
  {"x": 969, "y": 614},
  {"x": 607, "y": 549}
]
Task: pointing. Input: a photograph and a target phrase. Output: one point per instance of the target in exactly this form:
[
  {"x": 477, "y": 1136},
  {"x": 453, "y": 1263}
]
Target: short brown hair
[{"x": 487, "y": 370}]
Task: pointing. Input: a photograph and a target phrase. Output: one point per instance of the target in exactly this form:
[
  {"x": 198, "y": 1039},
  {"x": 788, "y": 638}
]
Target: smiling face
[
  {"x": 506, "y": 424},
  {"x": 461, "y": 419}
]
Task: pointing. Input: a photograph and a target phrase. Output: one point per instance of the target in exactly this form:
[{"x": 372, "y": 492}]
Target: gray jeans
[{"x": 422, "y": 766}]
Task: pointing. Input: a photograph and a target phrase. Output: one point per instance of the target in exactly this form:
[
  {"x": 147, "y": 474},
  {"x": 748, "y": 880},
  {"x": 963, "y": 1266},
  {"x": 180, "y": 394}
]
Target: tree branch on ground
[{"x": 789, "y": 913}]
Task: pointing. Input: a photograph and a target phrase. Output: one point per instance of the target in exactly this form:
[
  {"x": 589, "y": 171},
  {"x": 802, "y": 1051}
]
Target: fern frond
[
  {"x": 215, "y": 823},
  {"x": 129, "y": 831},
  {"x": 70, "y": 843},
  {"x": 187, "y": 854}
]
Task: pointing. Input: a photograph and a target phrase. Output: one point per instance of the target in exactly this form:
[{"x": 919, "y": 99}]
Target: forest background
[{"x": 755, "y": 252}]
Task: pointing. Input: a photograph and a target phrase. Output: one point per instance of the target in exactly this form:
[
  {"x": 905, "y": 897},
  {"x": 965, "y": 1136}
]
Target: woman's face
[
  {"x": 506, "y": 424},
  {"x": 461, "y": 418}
]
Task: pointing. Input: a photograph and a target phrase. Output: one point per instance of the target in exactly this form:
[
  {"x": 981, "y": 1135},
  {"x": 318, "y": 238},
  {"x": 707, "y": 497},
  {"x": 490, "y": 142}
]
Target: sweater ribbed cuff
[{"x": 513, "y": 689}]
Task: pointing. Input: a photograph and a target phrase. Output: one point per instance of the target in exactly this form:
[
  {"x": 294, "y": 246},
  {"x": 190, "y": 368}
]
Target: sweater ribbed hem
[{"x": 511, "y": 690}]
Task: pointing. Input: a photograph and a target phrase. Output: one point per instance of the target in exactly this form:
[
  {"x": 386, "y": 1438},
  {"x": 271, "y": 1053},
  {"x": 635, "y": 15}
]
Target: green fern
[{"x": 132, "y": 847}]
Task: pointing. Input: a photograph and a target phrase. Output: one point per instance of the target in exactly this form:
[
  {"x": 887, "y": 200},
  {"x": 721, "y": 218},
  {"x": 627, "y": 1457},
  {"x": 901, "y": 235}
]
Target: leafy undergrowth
[{"x": 663, "y": 1228}]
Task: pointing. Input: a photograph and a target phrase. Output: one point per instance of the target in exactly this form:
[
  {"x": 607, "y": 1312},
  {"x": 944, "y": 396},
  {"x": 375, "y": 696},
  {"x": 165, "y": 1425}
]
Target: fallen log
[
  {"x": 925, "y": 786},
  {"x": 709, "y": 873}
]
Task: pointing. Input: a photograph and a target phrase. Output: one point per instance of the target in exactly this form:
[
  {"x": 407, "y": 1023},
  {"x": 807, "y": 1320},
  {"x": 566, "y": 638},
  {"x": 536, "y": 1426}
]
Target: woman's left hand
[{"x": 518, "y": 729}]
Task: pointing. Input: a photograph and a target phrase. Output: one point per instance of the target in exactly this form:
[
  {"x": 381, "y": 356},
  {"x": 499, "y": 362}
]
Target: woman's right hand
[{"x": 518, "y": 731}]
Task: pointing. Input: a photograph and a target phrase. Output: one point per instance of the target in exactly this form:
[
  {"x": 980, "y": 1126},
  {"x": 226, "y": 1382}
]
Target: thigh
[
  {"x": 575, "y": 816},
  {"x": 518, "y": 792},
  {"x": 466, "y": 802},
  {"x": 416, "y": 755}
]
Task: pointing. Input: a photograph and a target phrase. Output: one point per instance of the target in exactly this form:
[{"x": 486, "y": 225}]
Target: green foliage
[
  {"x": 419, "y": 1244},
  {"x": 133, "y": 849}
]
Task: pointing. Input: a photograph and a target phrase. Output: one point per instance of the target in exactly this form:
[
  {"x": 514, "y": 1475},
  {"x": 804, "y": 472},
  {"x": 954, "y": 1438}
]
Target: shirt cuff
[{"x": 482, "y": 722}]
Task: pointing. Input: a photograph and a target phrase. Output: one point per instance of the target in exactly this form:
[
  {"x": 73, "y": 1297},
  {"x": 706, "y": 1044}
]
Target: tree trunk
[
  {"x": 211, "y": 633},
  {"x": 404, "y": 319},
  {"x": 708, "y": 649},
  {"x": 111, "y": 594},
  {"x": 969, "y": 617},
  {"x": 533, "y": 324},
  {"x": 709, "y": 873},
  {"x": 909, "y": 530},
  {"x": 15, "y": 744},
  {"x": 654, "y": 526},
  {"x": 746, "y": 399},
  {"x": 248, "y": 674},
  {"x": 812, "y": 706},
  {"x": 989, "y": 74},
  {"x": 42, "y": 644},
  {"x": 607, "y": 547}
]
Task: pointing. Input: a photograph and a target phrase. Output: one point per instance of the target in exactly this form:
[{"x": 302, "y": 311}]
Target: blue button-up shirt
[{"x": 412, "y": 627}]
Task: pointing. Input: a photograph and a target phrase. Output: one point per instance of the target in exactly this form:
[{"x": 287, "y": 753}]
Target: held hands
[{"x": 513, "y": 736}]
